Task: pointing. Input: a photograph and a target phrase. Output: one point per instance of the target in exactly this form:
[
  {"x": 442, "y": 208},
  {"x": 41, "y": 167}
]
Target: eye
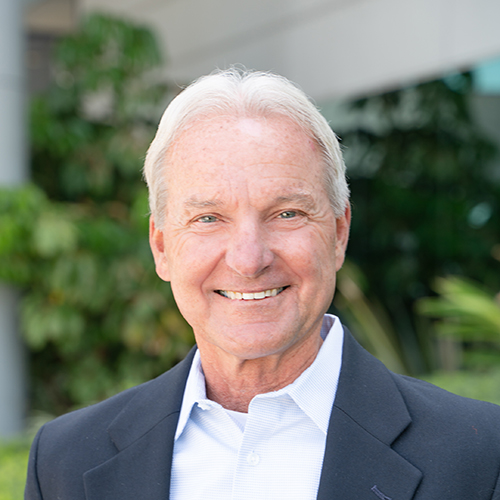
[
  {"x": 207, "y": 218},
  {"x": 288, "y": 214}
]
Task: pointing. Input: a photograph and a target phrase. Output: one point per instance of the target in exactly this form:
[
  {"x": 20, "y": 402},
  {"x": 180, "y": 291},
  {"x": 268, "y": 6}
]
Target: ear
[
  {"x": 343, "y": 225},
  {"x": 157, "y": 244}
]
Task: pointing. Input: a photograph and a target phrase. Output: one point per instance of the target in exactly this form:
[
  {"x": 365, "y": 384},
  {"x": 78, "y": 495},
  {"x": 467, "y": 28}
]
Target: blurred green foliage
[
  {"x": 425, "y": 202},
  {"x": 96, "y": 317},
  {"x": 466, "y": 311},
  {"x": 467, "y": 317},
  {"x": 367, "y": 319},
  {"x": 484, "y": 386},
  {"x": 13, "y": 466}
]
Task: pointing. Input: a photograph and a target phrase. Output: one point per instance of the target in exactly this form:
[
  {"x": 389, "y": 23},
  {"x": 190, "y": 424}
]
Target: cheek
[
  {"x": 317, "y": 248},
  {"x": 309, "y": 257},
  {"x": 192, "y": 259}
]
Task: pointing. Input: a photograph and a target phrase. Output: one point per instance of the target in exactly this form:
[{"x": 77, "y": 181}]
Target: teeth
[{"x": 250, "y": 296}]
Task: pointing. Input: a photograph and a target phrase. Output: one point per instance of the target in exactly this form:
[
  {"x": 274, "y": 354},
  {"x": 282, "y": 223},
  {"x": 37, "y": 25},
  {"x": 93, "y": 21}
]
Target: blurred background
[{"x": 411, "y": 87}]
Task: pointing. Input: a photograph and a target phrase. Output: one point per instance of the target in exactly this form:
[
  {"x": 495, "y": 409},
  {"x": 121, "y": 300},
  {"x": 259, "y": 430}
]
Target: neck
[{"x": 233, "y": 382}]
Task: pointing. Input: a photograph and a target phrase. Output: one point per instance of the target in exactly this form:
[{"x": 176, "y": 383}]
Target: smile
[{"x": 250, "y": 296}]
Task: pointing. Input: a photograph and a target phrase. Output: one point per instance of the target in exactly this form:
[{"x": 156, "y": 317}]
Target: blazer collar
[
  {"x": 368, "y": 415},
  {"x": 143, "y": 433}
]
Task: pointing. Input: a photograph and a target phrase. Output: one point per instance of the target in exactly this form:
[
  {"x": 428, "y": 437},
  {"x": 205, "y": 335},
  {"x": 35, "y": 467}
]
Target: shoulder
[
  {"x": 71, "y": 444},
  {"x": 371, "y": 381},
  {"x": 431, "y": 421},
  {"x": 448, "y": 410},
  {"x": 454, "y": 440},
  {"x": 92, "y": 420},
  {"x": 424, "y": 392},
  {"x": 85, "y": 438},
  {"x": 163, "y": 391}
]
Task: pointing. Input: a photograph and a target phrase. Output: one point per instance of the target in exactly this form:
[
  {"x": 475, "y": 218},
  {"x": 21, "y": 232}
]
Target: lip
[{"x": 251, "y": 296}]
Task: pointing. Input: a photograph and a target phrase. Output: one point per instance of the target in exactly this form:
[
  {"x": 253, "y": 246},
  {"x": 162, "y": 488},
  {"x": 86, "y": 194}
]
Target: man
[{"x": 250, "y": 221}]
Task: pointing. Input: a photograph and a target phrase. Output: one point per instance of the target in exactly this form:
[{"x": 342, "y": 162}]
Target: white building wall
[{"x": 332, "y": 48}]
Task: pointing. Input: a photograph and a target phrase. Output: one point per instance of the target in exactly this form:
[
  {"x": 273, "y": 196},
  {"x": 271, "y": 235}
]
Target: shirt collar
[{"x": 313, "y": 391}]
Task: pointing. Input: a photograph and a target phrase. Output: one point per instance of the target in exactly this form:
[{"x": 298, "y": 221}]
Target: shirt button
[{"x": 253, "y": 458}]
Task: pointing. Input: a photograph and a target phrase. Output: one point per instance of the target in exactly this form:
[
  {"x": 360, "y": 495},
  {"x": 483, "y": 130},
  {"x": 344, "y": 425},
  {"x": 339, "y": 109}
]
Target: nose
[{"x": 248, "y": 252}]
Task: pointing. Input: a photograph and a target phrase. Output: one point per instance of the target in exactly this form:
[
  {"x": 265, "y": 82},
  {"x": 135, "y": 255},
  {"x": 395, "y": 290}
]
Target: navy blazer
[{"x": 390, "y": 437}]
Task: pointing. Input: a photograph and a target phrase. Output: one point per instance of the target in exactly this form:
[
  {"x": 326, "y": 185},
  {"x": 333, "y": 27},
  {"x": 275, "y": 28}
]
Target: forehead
[
  {"x": 256, "y": 151},
  {"x": 216, "y": 134}
]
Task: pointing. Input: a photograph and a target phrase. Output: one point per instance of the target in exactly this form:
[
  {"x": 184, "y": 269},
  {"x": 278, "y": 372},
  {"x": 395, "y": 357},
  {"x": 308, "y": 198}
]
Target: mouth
[{"x": 251, "y": 296}]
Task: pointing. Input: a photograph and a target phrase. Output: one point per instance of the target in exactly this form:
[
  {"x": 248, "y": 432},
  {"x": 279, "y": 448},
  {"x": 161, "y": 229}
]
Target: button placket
[{"x": 253, "y": 459}]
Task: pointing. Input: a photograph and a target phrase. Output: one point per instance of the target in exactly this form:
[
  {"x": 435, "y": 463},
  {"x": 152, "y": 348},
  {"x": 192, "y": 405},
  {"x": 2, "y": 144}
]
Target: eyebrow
[
  {"x": 304, "y": 199},
  {"x": 195, "y": 202}
]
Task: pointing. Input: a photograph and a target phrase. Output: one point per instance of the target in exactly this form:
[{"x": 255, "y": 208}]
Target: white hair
[{"x": 238, "y": 92}]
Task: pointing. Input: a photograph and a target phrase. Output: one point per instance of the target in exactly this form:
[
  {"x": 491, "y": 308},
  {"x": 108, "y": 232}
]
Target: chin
[{"x": 254, "y": 341}]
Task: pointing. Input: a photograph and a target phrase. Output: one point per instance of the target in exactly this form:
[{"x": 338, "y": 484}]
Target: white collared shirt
[{"x": 273, "y": 451}]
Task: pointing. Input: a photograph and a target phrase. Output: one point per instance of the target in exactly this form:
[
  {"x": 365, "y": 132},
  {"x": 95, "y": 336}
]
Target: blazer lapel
[
  {"x": 367, "y": 417},
  {"x": 143, "y": 433}
]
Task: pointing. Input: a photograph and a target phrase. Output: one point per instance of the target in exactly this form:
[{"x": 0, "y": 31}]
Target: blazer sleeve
[{"x": 32, "y": 490}]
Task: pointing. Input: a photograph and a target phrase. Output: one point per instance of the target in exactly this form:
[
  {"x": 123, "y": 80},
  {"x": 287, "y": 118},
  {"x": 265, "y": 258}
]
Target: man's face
[{"x": 251, "y": 244}]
